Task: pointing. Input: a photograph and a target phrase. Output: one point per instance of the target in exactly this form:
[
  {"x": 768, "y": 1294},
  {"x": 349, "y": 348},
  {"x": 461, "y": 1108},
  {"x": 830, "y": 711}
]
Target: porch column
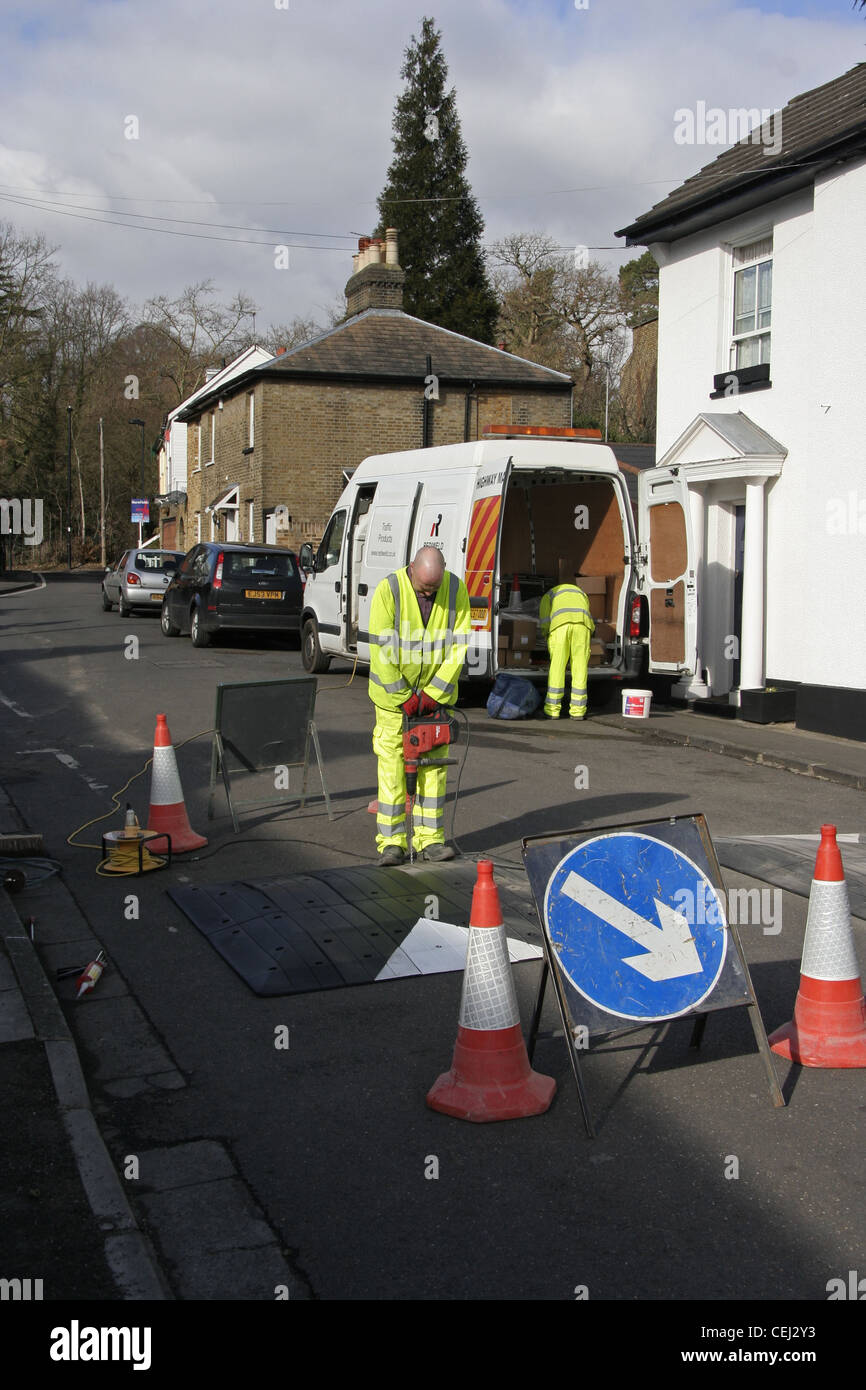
[
  {"x": 752, "y": 641},
  {"x": 696, "y": 687}
]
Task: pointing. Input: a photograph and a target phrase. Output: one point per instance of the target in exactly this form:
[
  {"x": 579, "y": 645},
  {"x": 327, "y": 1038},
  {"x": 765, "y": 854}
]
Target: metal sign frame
[
  {"x": 731, "y": 988},
  {"x": 237, "y": 748}
]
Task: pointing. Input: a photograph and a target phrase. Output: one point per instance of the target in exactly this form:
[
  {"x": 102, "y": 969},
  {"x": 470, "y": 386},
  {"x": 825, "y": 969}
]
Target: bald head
[{"x": 426, "y": 570}]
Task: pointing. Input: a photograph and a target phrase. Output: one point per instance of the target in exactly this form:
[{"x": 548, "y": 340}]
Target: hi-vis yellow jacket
[
  {"x": 564, "y": 603},
  {"x": 406, "y": 656}
]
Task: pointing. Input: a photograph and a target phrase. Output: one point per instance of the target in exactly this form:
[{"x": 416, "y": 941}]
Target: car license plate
[
  {"x": 156, "y": 598},
  {"x": 262, "y": 593}
]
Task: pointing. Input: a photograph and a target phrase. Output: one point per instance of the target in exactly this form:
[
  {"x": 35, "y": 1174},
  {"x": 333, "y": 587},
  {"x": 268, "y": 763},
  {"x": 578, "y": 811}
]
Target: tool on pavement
[
  {"x": 132, "y": 851},
  {"x": 87, "y": 977}
]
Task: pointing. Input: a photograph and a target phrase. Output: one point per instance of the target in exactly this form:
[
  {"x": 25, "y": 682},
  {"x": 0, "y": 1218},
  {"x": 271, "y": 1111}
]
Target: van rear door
[
  {"x": 668, "y": 564},
  {"x": 482, "y": 561}
]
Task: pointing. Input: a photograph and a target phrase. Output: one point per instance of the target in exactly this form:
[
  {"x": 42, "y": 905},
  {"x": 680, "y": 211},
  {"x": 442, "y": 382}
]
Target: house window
[
  {"x": 198, "y": 526},
  {"x": 251, "y": 523},
  {"x": 212, "y": 432},
  {"x": 252, "y": 419},
  {"x": 753, "y": 293},
  {"x": 197, "y": 465}
]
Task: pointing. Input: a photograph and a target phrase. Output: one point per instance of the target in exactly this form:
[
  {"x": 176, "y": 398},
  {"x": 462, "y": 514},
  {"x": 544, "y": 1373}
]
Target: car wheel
[
  {"x": 123, "y": 607},
  {"x": 312, "y": 656},
  {"x": 169, "y": 628},
  {"x": 107, "y": 605},
  {"x": 200, "y": 638}
]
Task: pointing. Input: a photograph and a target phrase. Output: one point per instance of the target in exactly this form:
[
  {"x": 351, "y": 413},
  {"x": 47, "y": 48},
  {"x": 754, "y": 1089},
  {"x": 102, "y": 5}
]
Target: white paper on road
[{"x": 431, "y": 948}]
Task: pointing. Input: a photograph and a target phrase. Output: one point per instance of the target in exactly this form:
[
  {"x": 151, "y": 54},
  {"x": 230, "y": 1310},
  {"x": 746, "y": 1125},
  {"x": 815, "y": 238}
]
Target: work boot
[
  {"x": 436, "y": 853},
  {"x": 392, "y": 855}
]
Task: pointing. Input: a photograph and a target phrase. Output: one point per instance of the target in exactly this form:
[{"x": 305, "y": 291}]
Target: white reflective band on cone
[
  {"x": 488, "y": 1000},
  {"x": 828, "y": 950},
  {"x": 165, "y": 789}
]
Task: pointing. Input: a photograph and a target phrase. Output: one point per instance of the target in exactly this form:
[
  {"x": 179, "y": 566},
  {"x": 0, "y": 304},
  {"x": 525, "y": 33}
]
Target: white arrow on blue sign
[{"x": 638, "y": 927}]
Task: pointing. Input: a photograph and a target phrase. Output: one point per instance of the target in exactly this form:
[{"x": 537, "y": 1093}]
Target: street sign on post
[
  {"x": 140, "y": 510},
  {"x": 635, "y": 933}
]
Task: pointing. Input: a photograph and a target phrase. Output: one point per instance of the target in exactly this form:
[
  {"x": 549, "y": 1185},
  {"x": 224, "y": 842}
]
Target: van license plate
[{"x": 262, "y": 593}]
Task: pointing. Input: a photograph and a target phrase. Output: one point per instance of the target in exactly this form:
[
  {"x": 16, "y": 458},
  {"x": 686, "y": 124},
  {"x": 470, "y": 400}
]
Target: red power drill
[{"x": 421, "y": 734}]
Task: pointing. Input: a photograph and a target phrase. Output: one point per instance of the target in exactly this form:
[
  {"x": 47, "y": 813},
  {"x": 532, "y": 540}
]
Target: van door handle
[
  {"x": 337, "y": 587},
  {"x": 362, "y": 590}
]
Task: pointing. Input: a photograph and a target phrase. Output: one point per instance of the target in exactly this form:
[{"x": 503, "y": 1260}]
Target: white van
[{"x": 503, "y": 512}]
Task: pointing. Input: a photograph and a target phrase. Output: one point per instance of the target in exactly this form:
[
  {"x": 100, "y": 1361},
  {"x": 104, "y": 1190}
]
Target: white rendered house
[{"x": 762, "y": 408}]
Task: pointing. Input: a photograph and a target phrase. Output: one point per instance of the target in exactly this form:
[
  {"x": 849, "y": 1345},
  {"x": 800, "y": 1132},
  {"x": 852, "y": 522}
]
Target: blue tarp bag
[{"x": 512, "y": 697}]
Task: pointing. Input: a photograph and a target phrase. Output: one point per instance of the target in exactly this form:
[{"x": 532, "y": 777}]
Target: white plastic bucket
[{"x": 636, "y": 704}]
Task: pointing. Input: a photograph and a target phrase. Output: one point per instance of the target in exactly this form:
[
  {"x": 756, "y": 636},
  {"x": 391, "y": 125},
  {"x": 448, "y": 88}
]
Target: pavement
[
  {"x": 13, "y": 581},
  {"x": 65, "y": 1210}
]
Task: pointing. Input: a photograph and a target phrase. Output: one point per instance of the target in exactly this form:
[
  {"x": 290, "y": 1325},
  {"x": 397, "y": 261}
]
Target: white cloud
[{"x": 241, "y": 105}]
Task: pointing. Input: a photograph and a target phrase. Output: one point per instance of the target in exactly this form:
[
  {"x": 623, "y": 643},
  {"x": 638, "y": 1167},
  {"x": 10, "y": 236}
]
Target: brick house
[{"x": 269, "y": 450}]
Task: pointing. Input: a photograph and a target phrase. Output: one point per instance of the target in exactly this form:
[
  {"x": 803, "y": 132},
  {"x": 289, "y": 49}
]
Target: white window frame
[
  {"x": 252, "y": 418},
  {"x": 752, "y": 254},
  {"x": 251, "y": 518},
  {"x": 197, "y": 468},
  {"x": 198, "y": 528}
]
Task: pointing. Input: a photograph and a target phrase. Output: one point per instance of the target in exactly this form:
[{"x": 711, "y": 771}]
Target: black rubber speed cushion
[{"x": 306, "y": 932}]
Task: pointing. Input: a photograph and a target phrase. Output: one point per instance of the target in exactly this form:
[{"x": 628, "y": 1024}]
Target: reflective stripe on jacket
[
  {"x": 406, "y": 656},
  {"x": 564, "y": 603}
]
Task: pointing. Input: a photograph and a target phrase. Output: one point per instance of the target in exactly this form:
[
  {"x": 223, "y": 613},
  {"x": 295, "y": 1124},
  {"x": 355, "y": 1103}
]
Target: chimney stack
[{"x": 377, "y": 280}]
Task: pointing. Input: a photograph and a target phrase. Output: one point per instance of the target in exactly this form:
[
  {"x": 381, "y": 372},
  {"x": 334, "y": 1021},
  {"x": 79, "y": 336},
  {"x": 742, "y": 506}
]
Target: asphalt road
[{"x": 330, "y": 1138}]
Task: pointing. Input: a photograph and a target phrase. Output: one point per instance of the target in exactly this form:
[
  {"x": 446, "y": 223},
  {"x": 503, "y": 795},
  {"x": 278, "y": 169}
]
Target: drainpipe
[
  {"x": 425, "y": 427},
  {"x": 467, "y": 414}
]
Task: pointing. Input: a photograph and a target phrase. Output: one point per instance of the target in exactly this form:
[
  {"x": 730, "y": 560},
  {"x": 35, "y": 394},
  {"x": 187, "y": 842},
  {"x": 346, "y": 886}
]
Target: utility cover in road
[{"x": 620, "y": 911}]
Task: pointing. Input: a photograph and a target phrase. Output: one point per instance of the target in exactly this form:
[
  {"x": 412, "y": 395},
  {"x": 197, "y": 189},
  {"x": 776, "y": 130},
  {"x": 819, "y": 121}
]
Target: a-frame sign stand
[{"x": 636, "y": 935}]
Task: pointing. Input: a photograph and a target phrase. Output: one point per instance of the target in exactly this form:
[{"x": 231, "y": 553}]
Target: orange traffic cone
[
  {"x": 167, "y": 808},
  {"x": 829, "y": 1024},
  {"x": 490, "y": 1076}
]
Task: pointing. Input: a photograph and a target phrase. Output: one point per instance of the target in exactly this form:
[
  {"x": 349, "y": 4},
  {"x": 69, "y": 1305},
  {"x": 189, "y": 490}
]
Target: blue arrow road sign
[{"x": 638, "y": 927}]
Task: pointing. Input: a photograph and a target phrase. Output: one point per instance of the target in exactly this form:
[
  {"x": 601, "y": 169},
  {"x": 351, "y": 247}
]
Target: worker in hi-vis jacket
[
  {"x": 419, "y": 638},
  {"x": 568, "y": 625}
]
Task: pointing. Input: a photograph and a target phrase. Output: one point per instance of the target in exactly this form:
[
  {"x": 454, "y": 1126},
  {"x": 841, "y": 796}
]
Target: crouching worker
[
  {"x": 419, "y": 638},
  {"x": 567, "y": 624}
]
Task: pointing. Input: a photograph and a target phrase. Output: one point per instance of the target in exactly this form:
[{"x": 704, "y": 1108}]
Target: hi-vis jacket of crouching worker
[
  {"x": 568, "y": 625},
  {"x": 414, "y": 666}
]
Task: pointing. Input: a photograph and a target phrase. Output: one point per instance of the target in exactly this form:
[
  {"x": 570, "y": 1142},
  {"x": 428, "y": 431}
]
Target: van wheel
[
  {"x": 312, "y": 656},
  {"x": 200, "y": 638}
]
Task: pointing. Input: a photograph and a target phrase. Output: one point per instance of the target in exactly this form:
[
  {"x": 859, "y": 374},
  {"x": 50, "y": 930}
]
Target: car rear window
[
  {"x": 156, "y": 561},
  {"x": 278, "y": 564}
]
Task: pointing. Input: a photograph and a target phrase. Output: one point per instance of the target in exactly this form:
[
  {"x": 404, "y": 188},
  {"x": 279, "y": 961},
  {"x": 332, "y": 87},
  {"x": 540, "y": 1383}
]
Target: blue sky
[{"x": 269, "y": 126}]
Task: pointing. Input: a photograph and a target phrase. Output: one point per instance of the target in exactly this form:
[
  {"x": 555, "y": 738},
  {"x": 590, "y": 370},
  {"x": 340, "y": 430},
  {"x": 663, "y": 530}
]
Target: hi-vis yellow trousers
[
  {"x": 428, "y": 821},
  {"x": 569, "y": 642}
]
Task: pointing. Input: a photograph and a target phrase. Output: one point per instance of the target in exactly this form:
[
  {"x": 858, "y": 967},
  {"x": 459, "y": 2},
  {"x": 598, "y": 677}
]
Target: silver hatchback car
[{"x": 139, "y": 579}]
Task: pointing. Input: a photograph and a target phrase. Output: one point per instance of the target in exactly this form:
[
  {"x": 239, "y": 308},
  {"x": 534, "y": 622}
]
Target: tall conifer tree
[{"x": 428, "y": 199}]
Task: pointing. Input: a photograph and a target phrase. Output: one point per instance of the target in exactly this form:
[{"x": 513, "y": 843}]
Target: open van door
[
  {"x": 482, "y": 561},
  {"x": 667, "y": 556}
]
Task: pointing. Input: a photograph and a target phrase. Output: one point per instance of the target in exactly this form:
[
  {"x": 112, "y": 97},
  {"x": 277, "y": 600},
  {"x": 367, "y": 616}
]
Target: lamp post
[
  {"x": 141, "y": 473},
  {"x": 69, "y": 487}
]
